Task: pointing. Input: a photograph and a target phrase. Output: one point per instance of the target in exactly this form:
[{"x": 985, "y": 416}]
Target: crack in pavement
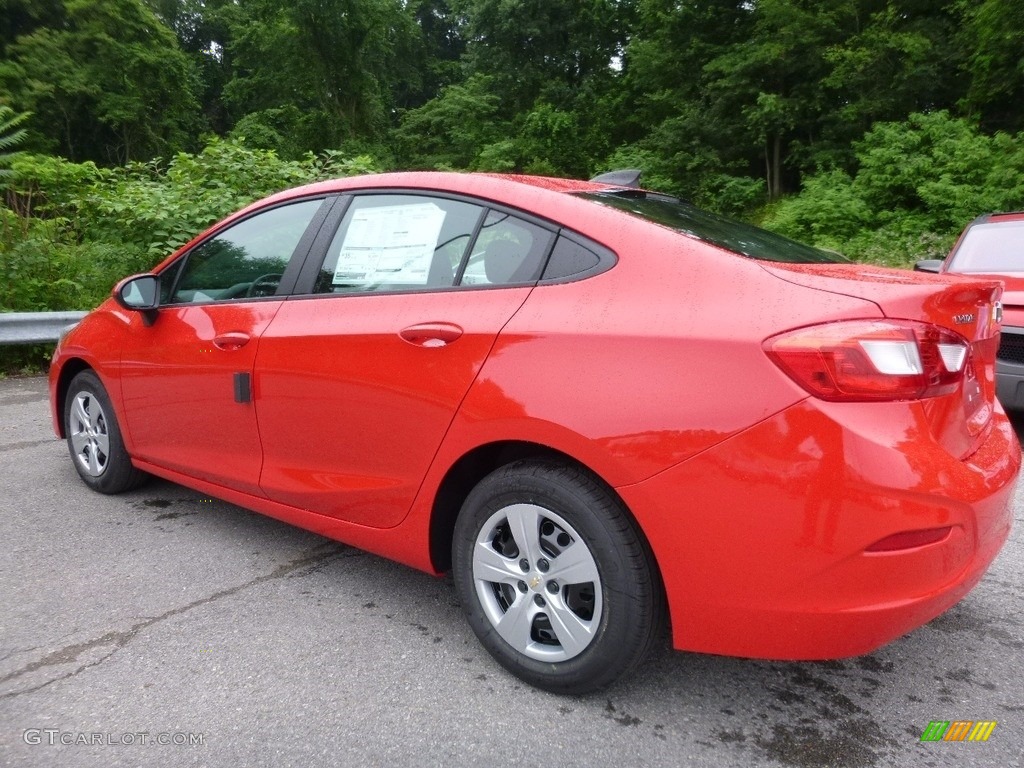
[
  {"x": 119, "y": 639},
  {"x": 18, "y": 652}
]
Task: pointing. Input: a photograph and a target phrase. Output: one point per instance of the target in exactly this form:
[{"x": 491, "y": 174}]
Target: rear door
[
  {"x": 360, "y": 378},
  {"x": 187, "y": 378}
]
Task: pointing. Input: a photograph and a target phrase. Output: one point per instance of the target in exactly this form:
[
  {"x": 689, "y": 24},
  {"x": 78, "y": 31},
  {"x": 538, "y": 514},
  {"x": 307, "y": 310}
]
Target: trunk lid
[
  {"x": 968, "y": 306},
  {"x": 1013, "y": 296}
]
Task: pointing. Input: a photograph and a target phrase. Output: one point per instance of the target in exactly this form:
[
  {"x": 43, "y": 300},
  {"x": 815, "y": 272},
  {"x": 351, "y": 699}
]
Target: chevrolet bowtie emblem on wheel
[{"x": 535, "y": 582}]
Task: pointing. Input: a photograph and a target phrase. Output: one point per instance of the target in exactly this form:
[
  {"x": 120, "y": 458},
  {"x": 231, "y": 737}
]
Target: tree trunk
[{"x": 775, "y": 169}]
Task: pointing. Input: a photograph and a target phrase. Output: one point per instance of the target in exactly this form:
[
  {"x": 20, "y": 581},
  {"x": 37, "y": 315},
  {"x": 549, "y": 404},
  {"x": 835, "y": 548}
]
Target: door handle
[
  {"x": 231, "y": 340},
  {"x": 431, "y": 334}
]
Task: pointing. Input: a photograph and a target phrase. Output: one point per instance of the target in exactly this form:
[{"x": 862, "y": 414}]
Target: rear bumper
[{"x": 762, "y": 541}]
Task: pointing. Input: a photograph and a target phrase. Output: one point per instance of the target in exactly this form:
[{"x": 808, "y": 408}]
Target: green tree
[
  {"x": 902, "y": 57},
  {"x": 993, "y": 36},
  {"x": 107, "y": 83},
  {"x": 543, "y": 48},
  {"x": 451, "y": 130},
  {"x": 204, "y": 32},
  {"x": 766, "y": 91},
  {"x": 664, "y": 122},
  {"x": 338, "y": 63},
  {"x": 540, "y": 78},
  {"x": 442, "y": 44}
]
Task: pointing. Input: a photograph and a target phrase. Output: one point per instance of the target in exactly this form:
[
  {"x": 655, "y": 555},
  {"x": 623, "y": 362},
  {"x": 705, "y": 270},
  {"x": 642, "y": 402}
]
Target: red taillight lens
[{"x": 859, "y": 360}]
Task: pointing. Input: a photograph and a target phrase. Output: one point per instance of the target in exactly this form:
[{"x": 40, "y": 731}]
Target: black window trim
[{"x": 485, "y": 211}]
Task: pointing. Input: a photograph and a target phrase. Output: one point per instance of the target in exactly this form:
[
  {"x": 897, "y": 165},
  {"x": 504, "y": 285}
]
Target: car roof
[
  {"x": 538, "y": 194},
  {"x": 995, "y": 218},
  {"x": 497, "y": 185}
]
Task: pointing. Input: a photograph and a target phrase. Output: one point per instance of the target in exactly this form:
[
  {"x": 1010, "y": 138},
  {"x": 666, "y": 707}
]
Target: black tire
[
  {"x": 94, "y": 438},
  {"x": 566, "y": 637}
]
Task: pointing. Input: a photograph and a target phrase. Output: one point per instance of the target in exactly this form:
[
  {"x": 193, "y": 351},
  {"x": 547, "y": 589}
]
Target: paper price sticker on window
[{"x": 391, "y": 244}]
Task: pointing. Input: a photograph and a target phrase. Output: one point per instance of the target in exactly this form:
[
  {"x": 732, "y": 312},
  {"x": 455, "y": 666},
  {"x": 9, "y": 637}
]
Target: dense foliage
[
  {"x": 873, "y": 127},
  {"x": 71, "y": 229}
]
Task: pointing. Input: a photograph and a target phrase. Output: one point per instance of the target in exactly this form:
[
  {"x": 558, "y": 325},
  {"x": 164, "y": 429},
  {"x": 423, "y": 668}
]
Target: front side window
[
  {"x": 398, "y": 243},
  {"x": 245, "y": 260}
]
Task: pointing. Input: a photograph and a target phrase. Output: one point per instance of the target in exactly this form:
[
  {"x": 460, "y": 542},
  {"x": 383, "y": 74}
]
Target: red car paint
[{"x": 768, "y": 511}]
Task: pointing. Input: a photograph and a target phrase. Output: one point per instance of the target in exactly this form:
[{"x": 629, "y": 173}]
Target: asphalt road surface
[{"x": 236, "y": 640}]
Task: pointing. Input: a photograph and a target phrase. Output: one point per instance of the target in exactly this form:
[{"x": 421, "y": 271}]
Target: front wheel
[
  {"x": 554, "y": 577},
  {"x": 94, "y": 437}
]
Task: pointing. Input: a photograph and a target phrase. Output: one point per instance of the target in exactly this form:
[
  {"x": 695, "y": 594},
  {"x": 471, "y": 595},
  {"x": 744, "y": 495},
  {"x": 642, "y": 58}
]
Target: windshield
[
  {"x": 991, "y": 248},
  {"x": 734, "y": 236}
]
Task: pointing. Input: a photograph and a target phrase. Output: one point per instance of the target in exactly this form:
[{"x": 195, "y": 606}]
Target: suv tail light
[{"x": 859, "y": 360}]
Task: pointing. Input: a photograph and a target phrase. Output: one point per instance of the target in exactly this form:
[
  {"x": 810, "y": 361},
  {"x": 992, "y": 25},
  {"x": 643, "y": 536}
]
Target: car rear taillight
[{"x": 864, "y": 360}]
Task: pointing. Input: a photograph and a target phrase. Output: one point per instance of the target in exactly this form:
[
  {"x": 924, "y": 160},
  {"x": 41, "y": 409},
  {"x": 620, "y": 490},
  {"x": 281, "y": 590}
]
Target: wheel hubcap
[
  {"x": 537, "y": 582},
  {"x": 90, "y": 440}
]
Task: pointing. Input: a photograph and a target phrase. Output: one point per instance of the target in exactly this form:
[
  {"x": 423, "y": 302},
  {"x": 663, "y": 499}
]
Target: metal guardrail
[{"x": 35, "y": 327}]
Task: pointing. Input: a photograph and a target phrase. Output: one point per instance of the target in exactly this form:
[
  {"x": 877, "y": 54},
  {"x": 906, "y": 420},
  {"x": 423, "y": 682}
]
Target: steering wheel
[{"x": 264, "y": 285}]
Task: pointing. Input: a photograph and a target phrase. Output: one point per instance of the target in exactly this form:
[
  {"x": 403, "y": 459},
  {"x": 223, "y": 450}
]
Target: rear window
[
  {"x": 735, "y": 236},
  {"x": 994, "y": 248}
]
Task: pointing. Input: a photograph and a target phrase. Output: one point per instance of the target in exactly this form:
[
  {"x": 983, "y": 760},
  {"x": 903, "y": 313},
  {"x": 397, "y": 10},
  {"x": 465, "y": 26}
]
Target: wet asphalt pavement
[{"x": 164, "y": 616}]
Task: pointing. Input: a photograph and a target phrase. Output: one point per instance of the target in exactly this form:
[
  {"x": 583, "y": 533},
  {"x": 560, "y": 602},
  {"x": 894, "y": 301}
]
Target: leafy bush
[
  {"x": 159, "y": 209},
  {"x": 71, "y": 230},
  {"x": 44, "y": 267},
  {"x": 917, "y": 185}
]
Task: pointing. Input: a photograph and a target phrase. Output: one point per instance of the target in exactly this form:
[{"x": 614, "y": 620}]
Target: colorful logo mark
[{"x": 958, "y": 730}]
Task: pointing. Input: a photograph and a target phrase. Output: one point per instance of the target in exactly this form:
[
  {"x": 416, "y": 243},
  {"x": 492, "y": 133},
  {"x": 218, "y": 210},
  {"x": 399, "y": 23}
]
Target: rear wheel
[
  {"x": 554, "y": 577},
  {"x": 94, "y": 438}
]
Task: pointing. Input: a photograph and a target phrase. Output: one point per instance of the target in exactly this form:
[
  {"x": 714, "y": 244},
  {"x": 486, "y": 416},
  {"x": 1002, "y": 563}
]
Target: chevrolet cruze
[{"x": 606, "y": 411}]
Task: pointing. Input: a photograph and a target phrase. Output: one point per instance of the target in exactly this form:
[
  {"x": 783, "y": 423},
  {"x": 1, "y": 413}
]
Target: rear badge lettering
[{"x": 963, "y": 319}]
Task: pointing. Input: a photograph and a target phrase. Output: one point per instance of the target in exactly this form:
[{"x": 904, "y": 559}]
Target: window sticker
[{"x": 392, "y": 244}]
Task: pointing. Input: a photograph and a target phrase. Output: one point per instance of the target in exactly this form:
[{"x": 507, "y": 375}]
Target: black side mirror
[
  {"x": 928, "y": 265},
  {"x": 139, "y": 293}
]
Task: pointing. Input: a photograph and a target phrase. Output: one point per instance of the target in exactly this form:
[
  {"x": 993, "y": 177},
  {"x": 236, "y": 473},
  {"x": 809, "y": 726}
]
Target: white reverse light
[
  {"x": 895, "y": 358},
  {"x": 953, "y": 356}
]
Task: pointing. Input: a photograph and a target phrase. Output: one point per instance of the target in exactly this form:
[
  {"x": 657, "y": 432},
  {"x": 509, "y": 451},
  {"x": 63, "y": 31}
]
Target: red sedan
[
  {"x": 602, "y": 408},
  {"x": 992, "y": 247}
]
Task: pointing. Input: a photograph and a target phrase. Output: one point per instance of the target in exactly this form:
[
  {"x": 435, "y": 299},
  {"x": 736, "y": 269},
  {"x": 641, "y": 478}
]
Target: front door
[{"x": 187, "y": 378}]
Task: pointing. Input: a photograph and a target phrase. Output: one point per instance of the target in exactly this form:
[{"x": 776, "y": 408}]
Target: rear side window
[
  {"x": 398, "y": 243},
  {"x": 735, "y": 236},
  {"x": 570, "y": 258},
  {"x": 507, "y": 251}
]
